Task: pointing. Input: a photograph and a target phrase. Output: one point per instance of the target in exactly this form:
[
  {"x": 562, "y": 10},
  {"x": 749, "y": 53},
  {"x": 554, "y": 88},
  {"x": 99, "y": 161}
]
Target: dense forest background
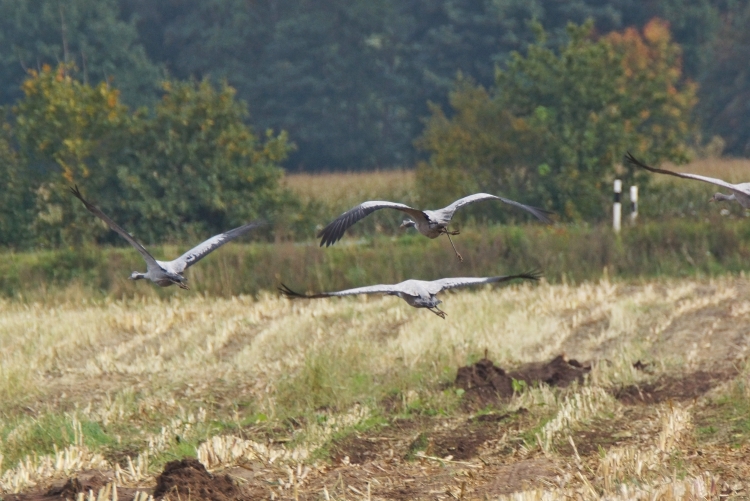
[
  {"x": 350, "y": 81},
  {"x": 180, "y": 117}
]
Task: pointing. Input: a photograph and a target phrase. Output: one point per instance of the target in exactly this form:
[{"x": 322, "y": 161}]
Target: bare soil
[
  {"x": 485, "y": 384},
  {"x": 82, "y": 482},
  {"x": 189, "y": 479},
  {"x": 677, "y": 388}
]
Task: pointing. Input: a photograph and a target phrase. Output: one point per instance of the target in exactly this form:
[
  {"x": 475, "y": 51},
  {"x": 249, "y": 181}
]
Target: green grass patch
[
  {"x": 419, "y": 444},
  {"x": 28, "y": 436},
  {"x": 575, "y": 253},
  {"x": 725, "y": 419}
]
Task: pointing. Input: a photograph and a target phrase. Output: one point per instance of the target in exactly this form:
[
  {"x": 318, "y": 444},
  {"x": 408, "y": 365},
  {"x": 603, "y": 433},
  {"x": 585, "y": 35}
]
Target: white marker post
[
  {"x": 617, "y": 207},
  {"x": 633, "y": 204}
]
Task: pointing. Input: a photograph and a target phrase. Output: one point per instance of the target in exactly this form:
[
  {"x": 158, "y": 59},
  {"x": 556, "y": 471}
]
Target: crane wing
[
  {"x": 200, "y": 251},
  {"x": 718, "y": 182},
  {"x": 335, "y": 230},
  {"x": 540, "y": 214},
  {"x": 150, "y": 261},
  {"x": 371, "y": 289},
  {"x": 451, "y": 283}
]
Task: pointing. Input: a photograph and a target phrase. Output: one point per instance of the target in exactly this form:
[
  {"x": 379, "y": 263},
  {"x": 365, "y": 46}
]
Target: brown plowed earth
[
  {"x": 485, "y": 384},
  {"x": 189, "y": 479},
  {"x": 678, "y": 388},
  {"x": 83, "y": 482},
  {"x": 467, "y": 456}
]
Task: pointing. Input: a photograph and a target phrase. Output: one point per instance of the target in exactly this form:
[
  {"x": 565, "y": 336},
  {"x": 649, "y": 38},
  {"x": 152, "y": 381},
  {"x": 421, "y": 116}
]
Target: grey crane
[
  {"x": 417, "y": 293},
  {"x": 740, "y": 192},
  {"x": 166, "y": 273},
  {"x": 430, "y": 223}
]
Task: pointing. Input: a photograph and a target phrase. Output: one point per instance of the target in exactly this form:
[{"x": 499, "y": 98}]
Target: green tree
[
  {"x": 16, "y": 199},
  {"x": 87, "y": 33},
  {"x": 725, "y": 84},
  {"x": 68, "y": 132},
  {"x": 555, "y": 125},
  {"x": 189, "y": 167},
  {"x": 194, "y": 166},
  {"x": 350, "y": 80}
]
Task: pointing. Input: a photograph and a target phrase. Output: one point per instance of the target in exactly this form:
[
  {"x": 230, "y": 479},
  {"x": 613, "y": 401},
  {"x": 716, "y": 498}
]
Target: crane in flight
[
  {"x": 166, "y": 273},
  {"x": 417, "y": 293},
  {"x": 430, "y": 223}
]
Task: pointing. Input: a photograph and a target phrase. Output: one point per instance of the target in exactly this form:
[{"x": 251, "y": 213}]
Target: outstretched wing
[
  {"x": 540, "y": 214},
  {"x": 200, "y": 251},
  {"x": 372, "y": 289},
  {"x": 451, "y": 283},
  {"x": 335, "y": 230},
  {"x": 150, "y": 261},
  {"x": 718, "y": 182}
]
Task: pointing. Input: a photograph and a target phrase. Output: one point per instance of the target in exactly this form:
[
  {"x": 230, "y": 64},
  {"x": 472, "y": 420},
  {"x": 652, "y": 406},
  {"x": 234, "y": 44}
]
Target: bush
[
  {"x": 554, "y": 127},
  {"x": 191, "y": 166}
]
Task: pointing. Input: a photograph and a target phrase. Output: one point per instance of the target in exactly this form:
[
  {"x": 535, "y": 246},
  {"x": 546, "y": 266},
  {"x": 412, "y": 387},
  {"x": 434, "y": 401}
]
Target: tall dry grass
[
  {"x": 346, "y": 189},
  {"x": 733, "y": 170}
]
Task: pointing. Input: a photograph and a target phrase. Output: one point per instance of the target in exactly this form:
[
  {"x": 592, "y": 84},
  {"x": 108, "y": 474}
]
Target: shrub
[{"x": 555, "y": 125}]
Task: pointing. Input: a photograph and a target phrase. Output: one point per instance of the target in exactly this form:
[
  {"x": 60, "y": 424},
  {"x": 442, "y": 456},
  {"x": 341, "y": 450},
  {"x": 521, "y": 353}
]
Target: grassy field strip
[{"x": 225, "y": 450}]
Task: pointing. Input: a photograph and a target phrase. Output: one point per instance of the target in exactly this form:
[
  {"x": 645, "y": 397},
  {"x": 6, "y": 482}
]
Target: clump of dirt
[
  {"x": 188, "y": 479},
  {"x": 84, "y": 482},
  {"x": 359, "y": 450},
  {"x": 556, "y": 372},
  {"x": 670, "y": 387},
  {"x": 486, "y": 384},
  {"x": 461, "y": 446}
]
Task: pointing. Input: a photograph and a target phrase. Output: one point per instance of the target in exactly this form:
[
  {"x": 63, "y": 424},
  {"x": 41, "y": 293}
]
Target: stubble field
[{"x": 356, "y": 398}]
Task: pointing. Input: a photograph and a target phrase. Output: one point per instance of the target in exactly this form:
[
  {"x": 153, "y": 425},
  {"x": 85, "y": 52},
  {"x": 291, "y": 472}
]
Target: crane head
[
  {"x": 136, "y": 275},
  {"x": 721, "y": 197},
  {"x": 408, "y": 223}
]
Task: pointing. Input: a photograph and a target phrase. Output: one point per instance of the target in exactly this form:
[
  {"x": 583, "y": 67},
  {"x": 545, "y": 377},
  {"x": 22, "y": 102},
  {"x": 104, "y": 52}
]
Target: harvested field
[{"x": 614, "y": 390}]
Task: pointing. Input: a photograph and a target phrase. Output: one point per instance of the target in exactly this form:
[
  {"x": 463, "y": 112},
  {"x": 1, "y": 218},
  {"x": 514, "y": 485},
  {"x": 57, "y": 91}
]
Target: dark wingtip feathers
[
  {"x": 75, "y": 191},
  {"x": 541, "y": 214},
  {"x": 329, "y": 236},
  {"x": 629, "y": 158},
  {"x": 289, "y": 293},
  {"x": 532, "y": 275}
]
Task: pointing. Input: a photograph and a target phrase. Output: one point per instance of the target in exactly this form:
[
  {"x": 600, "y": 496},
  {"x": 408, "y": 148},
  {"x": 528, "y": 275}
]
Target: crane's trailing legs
[
  {"x": 437, "y": 311},
  {"x": 448, "y": 234}
]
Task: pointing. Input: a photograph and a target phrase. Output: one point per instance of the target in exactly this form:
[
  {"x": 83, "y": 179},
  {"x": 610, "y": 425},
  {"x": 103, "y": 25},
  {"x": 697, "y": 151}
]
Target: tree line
[
  {"x": 350, "y": 81},
  {"x": 187, "y": 167},
  {"x": 549, "y": 131}
]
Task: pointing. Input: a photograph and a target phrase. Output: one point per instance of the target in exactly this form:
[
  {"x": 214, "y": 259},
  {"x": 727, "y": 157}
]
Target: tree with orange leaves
[{"x": 564, "y": 120}]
